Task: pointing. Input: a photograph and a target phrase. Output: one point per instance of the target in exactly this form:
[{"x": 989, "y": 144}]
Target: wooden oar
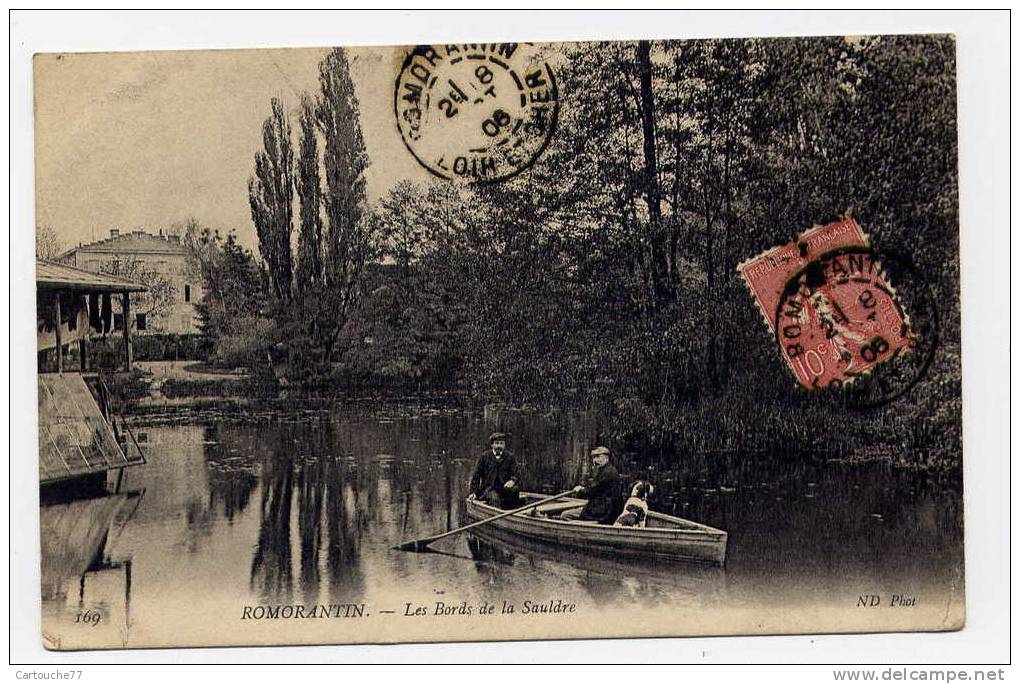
[{"x": 422, "y": 544}]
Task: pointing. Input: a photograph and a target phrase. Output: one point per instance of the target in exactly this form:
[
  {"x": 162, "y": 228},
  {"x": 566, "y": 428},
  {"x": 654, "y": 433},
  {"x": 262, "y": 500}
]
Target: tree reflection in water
[
  {"x": 271, "y": 564},
  {"x": 232, "y": 480},
  {"x": 343, "y": 527},
  {"x": 309, "y": 462}
]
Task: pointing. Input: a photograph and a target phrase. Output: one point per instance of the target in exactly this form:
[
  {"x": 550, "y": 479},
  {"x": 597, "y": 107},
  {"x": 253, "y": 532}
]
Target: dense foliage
[
  {"x": 605, "y": 276},
  {"x": 235, "y": 294}
]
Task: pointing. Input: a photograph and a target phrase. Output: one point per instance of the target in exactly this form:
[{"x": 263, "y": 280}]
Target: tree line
[{"x": 605, "y": 277}]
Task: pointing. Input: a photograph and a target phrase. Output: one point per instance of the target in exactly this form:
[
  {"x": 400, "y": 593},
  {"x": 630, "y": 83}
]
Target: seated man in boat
[
  {"x": 495, "y": 480},
  {"x": 604, "y": 492}
]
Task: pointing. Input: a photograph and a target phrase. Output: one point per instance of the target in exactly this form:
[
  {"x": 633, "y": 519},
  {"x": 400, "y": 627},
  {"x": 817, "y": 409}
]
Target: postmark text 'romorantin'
[{"x": 477, "y": 112}]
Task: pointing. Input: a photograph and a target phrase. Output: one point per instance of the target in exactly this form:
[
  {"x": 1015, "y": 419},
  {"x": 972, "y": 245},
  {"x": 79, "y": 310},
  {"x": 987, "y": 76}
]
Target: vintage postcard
[{"x": 490, "y": 341}]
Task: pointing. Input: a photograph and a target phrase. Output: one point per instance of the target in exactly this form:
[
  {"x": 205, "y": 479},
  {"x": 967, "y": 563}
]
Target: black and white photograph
[{"x": 506, "y": 341}]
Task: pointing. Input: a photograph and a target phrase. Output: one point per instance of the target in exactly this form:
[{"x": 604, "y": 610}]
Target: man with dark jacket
[
  {"x": 604, "y": 492},
  {"x": 495, "y": 478}
]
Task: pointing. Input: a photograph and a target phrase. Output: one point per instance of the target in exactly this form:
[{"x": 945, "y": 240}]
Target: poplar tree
[
  {"x": 309, "y": 251},
  {"x": 270, "y": 194},
  {"x": 348, "y": 238}
]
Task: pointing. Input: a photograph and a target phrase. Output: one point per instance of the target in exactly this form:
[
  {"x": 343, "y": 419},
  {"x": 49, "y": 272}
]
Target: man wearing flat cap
[
  {"x": 495, "y": 477},
  {"x": 604, "y": 492}
]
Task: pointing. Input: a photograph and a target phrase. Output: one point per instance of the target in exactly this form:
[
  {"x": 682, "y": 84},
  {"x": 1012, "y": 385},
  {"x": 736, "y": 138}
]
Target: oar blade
[{"x": 415, "y": 545}]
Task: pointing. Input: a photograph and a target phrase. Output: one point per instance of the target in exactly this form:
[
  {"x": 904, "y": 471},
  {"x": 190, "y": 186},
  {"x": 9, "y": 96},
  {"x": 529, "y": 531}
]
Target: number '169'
[{"x": 89, "y": 617}]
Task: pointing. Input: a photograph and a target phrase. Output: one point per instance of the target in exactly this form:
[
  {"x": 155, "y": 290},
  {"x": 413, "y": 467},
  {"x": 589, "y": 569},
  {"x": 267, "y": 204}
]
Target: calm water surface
[{"x": 305, "y": 509}]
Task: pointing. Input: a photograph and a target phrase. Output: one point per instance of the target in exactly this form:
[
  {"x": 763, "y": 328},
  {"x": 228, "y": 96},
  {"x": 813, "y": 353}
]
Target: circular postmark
[
  {"x": 478, "y": 112},
  {"x": 841, "y": 324}
]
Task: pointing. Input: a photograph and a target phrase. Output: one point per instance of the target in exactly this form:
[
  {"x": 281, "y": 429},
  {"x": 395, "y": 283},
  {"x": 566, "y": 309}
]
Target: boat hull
[{"x": 666, "y": 537}]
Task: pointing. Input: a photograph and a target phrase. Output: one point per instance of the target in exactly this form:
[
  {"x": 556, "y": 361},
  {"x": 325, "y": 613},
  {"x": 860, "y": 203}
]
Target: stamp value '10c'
[{"x": 828, "y": 300}]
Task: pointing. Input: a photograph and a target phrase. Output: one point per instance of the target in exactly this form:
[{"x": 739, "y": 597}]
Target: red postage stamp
[{"x": 828, "y": 299}]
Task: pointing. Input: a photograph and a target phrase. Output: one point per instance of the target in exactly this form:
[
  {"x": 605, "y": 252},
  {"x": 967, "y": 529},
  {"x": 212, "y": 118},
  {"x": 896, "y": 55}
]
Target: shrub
[
  {"x": 126, "y": 388},
  {"x": 246, "y": 346},
  {"x": 261, "y": 385},
  {"x": 108, "y": 352}
]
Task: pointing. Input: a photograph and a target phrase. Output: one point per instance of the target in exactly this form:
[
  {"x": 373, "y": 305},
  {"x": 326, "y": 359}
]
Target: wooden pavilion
[{"x": 80, "y": 440}]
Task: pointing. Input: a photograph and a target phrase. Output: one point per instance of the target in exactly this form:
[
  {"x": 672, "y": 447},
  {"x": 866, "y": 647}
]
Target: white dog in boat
[{"x": 635, "y": 510}]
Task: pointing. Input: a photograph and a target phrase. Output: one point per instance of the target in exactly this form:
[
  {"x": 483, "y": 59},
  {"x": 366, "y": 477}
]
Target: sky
[{"x": 145, "y": 140}]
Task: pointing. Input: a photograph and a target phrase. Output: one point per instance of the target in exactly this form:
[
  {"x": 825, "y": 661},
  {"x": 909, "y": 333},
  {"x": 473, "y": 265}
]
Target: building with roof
[
  {"x": 169, "y": 306},
  {"x": 73, "y": 306},
  {"x": 80, "y": 439}
]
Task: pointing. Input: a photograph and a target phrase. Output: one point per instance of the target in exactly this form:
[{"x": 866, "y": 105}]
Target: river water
[{"x": 304, "y": 509}]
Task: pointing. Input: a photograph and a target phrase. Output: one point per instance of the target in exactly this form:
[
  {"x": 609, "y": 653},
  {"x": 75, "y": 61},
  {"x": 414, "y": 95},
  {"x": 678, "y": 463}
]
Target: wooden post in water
[
  {"x": 58, "y": 332},
  {"x": 127, "y": 589},
  {"x": 83, "y": 350},
  {"x": 126, "y": 306}
]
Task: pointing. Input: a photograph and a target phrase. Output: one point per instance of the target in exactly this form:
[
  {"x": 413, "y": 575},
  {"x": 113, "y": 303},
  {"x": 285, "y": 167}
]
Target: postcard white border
[{"x": 983, "y": 68}]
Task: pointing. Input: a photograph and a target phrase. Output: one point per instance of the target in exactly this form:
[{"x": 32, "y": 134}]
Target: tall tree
[
  {"x": 270, "y": 194},
  {"x": 309, "y": 251},
  {"x": 348, "y": 238},
  {"x": 650, "y": 172}
]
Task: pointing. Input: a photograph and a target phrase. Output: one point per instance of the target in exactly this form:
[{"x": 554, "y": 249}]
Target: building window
[
  {"x": 118, "y": 321},
  {"x": 187, "y": 293},
  {"x": 140, "y": 321}
]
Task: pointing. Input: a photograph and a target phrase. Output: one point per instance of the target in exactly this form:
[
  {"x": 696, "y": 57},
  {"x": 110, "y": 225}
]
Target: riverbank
[
  {"x": 248, "y": 410},
  {"x": 182, "y": 386},
  {"x": 800, "y": 429}
]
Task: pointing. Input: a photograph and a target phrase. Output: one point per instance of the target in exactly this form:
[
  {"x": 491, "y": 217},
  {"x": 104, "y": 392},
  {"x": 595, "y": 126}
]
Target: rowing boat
[
  {"x": 501, "y": 548},
  {"x": 665, "y": 537}
]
